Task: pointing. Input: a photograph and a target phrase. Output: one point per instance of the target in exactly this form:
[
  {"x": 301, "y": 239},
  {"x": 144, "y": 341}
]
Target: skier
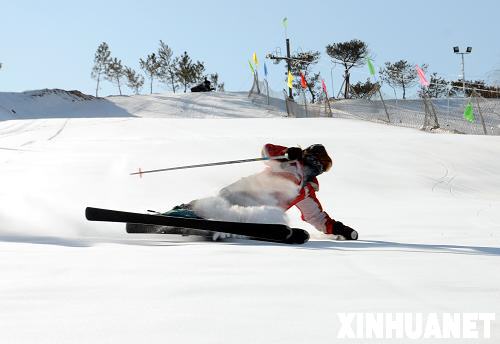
[
  {"x": 292, "y": 173},
  {"x": 207, "y": 84}
]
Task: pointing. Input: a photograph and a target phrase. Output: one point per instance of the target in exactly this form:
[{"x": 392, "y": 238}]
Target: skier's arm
[
  {"x": 312, "y": 211},
  {"x": 292, "y": 153}
]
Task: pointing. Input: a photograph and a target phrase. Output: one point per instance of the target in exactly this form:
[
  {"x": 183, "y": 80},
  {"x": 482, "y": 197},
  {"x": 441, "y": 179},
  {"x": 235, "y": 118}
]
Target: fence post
[
  {"x": 305, "y": 102},
  {"x": 286, "y": 103},
  {"x": 476, "y": 95},
  {"x": 385, "y": 107},
  {"x": 267, "y": 91}
]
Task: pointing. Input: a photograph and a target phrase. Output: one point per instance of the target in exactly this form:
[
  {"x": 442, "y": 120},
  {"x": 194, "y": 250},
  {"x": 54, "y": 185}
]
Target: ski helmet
[{"x": 318, "y": 152}]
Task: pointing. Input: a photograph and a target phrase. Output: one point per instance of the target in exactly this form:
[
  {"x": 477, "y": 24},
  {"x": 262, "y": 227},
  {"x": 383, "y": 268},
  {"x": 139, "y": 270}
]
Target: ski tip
[
  {"x": 93, "y": 214},
  {"x": 88, "y": 212}
]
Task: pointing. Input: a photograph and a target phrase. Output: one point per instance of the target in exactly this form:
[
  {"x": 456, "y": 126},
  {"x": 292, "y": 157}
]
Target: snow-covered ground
[{"x": 427, "y": 207}]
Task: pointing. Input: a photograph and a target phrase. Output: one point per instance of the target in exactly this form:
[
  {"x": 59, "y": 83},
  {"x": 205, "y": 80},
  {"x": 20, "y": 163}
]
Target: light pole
[{"x": 456, "y": 50}]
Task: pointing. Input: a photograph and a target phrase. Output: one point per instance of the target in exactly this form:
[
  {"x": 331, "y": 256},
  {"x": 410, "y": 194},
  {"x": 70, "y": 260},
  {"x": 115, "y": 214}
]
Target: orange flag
[{"x": 303, "y": 82}]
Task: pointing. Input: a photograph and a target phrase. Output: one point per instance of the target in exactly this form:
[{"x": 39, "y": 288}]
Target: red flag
[
  {"x": 324, "y": 86},
  {"x": 421, "y": 76},
  {"x": 303, "y": 81}
]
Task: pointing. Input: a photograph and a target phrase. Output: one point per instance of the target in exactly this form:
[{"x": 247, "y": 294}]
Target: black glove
[
  {"x": 294, "y": 153},
  {"x": 347, "y": 232}
]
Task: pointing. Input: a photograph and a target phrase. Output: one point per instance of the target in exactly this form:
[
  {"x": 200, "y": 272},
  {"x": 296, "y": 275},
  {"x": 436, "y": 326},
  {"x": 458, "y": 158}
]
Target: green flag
[
  {"x": 370, "y": 66},
  {"x": 251, "y": 66},
  {"x": 285, "y": 22},
  {"x": 469, "y": 113}
]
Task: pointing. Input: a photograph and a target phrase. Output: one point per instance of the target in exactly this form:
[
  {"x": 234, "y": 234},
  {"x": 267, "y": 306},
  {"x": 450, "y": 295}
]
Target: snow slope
[
  {"x": 427, "y": 207},
  {"x": 55, "y": 103}
]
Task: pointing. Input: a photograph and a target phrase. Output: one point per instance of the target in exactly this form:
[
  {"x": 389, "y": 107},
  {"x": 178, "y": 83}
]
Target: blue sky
[{"x": 51, "y": 44}]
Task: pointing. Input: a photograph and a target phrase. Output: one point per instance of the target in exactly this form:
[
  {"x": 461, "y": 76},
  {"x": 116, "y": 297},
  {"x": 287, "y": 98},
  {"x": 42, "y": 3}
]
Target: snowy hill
[
  {"x": 427, "y": 207},
  {"x": 74, "y": 104}
]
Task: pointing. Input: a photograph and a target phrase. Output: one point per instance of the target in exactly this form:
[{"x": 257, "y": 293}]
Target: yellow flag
[
  {"x": 255, "y": 59},
  {"x": 290, "y": 80}
]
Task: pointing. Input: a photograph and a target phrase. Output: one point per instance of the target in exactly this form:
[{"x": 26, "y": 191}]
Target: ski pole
[{"x": 141, "y": 172}]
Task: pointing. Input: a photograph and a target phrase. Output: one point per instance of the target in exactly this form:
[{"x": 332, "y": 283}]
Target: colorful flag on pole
[
  {"x": 255, "y": 59},
  {"x": 285, "y": 22},
  {"x": 265, "y": 70},
  {"x": 370, "y": 66},
  {"x": 303, "y": 82},
  {"x": 251, "y": 66},
  {"x": 421, "y": 76},
  {"x": 469, "y": 113},
  {"x": 290, "y": 80},
  {"x": 324, "y": 86}
]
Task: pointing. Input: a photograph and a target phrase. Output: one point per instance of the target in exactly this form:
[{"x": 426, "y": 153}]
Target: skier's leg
[
  {"x": 186, "y": 210},
  {"x": 183, "y": 210}
]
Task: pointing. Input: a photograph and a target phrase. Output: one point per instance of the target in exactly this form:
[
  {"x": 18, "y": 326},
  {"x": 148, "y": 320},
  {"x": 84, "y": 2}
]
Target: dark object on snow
[
  {"x": 205, "y": 86},
  {"x": 347, "y": 232},
  {"x": 257, "y": 231}
]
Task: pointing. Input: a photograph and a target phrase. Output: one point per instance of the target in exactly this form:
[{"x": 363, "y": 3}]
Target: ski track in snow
[{"x": 59, "y": 131}]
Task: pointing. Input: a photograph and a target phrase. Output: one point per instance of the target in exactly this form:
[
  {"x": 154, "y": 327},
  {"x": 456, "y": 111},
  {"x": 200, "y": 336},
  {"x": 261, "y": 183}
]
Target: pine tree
[
  {"x": 167, "y": 69},
  {"x": 364, "y": 90},
  {"x": 188, "y": 72},
  {"x": 303, "y": 62},
  {"x": 152, "y": 67},
  {"x": 115, "y": 72},
  {"x": 438, "y": 87},
  {"x": 135, "y": 81},
  {"x": 400, "y": 74},
  {"x": 349, "y": 54},
  {"x": 477, "y": 87},
  {"x": 214, "y": 79},
  {"x": 101, "y": 60}
]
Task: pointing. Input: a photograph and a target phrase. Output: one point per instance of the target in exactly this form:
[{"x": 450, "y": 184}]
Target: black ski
[{"x": 257, "y": 231}]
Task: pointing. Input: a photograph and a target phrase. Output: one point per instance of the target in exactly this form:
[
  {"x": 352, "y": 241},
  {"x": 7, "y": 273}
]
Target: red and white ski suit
[{"x": 306, "y": 200}]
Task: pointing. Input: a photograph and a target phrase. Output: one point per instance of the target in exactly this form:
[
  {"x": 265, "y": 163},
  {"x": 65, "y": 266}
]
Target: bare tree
[
  {"x": 168, "y": 63},
  {"x": 349, "y": 54},
  {"x": 101, "y": 60},
  {"x": 135, "y": 81},
  {"x": 152, "y": 67},
  {"x": 400, "y": 74}
]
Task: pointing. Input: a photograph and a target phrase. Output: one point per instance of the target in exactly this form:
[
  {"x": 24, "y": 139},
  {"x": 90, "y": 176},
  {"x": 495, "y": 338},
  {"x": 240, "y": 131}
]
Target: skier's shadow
[
  {"x": 378, "y": 245},
  {"x": 351, "y": 246}
]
